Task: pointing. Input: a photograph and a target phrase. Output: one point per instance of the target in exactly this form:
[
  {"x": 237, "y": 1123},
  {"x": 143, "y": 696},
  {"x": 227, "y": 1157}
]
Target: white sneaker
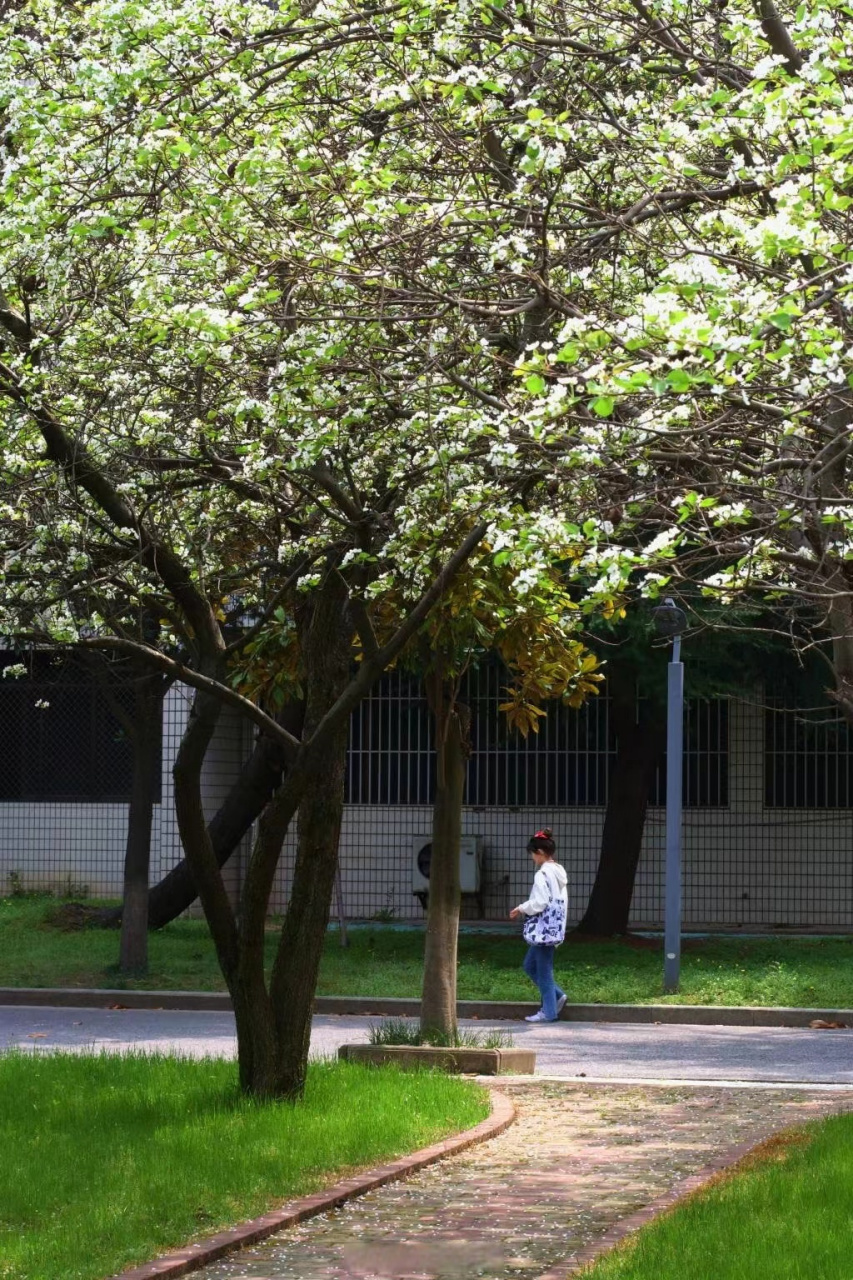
[
  {"x": 537, "y": 1017},
  {"x": 561, "y": 1004}
]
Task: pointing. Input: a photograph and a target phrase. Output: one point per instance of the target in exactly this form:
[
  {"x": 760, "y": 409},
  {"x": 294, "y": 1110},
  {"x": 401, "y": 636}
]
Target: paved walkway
[
  {"x": 571, "y": 1050},
  {"x": 579, "y": 1157},
  {"x": 576, "y": 1160}
]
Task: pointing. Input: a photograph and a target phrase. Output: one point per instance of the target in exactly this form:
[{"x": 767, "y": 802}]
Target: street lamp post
[{"x": 671, "y": 621}]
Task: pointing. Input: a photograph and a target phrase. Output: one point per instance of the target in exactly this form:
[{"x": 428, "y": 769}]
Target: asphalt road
[{"x": 607, "y": 1051}]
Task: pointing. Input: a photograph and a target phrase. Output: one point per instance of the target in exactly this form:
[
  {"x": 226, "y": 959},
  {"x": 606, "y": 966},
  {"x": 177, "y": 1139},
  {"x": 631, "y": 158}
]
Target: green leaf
[
  {"x": 679, "y": 380},
  {"x": 603, "y": 406}
]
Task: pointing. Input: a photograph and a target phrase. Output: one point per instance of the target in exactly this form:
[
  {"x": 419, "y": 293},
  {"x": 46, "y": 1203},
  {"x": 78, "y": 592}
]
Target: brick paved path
[{"x": 576, "y": 1160}]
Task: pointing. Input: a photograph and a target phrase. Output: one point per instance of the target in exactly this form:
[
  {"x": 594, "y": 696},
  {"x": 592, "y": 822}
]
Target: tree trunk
[
  {"x": 258, "y": 780},
  {"x": 326, "y": 642},
  {"x": 438, "y": 994},
  {"x": 639, "y": 746},
  {"x": 147, "y": 712},
  {"x": 256, "y": 1037},
  {"x": 840, "y": 618},
  {"x": 189, "y": 812}
]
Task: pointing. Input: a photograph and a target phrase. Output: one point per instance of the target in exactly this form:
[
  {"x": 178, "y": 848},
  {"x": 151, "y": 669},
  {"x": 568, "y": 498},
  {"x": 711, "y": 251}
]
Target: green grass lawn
[
  {"x": 786, "y": 1217},
  {"x": 107, "y": 1161},
  {"x": 384, "y": 961}
]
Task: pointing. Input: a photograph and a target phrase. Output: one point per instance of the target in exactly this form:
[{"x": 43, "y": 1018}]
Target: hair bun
[{"x": 545, "y": 833}]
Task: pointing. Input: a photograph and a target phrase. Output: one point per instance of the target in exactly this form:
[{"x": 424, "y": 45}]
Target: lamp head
[{"x": 669, "y": 619}]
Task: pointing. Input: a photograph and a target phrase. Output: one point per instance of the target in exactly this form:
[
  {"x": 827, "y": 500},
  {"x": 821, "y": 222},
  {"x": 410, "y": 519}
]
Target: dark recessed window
[
  {"x": 808, "y": 754},
  {"x": 59, "y": 738}
]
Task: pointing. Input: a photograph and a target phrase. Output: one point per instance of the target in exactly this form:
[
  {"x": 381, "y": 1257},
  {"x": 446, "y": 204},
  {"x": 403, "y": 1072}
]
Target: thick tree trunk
[
  {"x": 438, "y": 994},
  {"x": 639, "y": 746},
  {"x": 326, "y": 641},
  {"x": 256, "y": 1037},
  {"x": 147, "y": 710}
]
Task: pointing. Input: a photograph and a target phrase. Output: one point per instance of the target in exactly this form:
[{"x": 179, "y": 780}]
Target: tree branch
[
  {"x": 205, "y": 684},
  {"x": 372, "y": 667},
  {"x": 75, "y": 461},
  {"x": 778, "y": 36}
]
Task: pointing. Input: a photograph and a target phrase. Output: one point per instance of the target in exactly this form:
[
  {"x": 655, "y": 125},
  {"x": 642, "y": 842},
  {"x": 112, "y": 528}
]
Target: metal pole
[{"x": 674, "y": 765}]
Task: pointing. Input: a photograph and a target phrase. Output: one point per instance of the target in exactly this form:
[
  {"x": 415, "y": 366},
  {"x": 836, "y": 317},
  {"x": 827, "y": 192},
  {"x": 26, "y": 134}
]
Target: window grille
[
  {"x": 565, "y": 765},
  {"x": 808, "y": 754},
  {"x": 705, "y": 782}
]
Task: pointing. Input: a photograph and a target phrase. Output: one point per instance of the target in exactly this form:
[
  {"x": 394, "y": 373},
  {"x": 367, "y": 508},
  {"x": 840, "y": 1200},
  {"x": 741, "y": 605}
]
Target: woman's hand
[{"x": 514, "y": 914}]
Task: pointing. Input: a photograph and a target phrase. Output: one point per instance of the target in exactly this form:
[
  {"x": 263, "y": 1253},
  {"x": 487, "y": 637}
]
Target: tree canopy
[{"x": 304, "y": 306}]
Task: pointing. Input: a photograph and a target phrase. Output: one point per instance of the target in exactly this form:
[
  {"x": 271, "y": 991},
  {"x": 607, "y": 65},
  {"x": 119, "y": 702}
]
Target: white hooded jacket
[{"x": 549, "y": 874}]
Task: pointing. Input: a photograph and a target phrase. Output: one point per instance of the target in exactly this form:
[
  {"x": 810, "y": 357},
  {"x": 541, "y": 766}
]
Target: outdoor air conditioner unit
[{"x": 470, "y": 864}]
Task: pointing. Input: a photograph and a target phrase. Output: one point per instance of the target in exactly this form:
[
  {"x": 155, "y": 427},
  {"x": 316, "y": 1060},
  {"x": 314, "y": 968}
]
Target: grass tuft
[
  {"x": 406, "y": 1031},
  {"x": 110, "y": 1160}
]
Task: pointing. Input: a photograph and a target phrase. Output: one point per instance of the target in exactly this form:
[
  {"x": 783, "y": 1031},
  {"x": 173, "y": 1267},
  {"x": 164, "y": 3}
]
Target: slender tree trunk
[
  {"x": 257, "y": 1034},
  {"x": 326, "y": 642},
  {"x": 438, "y": 995},
  {"x": 147, "y": 711},
  {"x": 833, "y": 487},
  {"x": 195, "y": 839},
  {"x": 639, "y": 746}
]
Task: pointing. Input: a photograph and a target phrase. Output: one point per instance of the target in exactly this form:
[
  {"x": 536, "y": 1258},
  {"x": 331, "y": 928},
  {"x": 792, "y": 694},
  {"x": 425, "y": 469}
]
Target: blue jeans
[{"x": 539, "y": 967}]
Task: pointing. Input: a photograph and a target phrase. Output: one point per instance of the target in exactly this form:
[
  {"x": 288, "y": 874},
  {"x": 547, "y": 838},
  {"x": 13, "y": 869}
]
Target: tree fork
[{"x": 192, "y": 828}]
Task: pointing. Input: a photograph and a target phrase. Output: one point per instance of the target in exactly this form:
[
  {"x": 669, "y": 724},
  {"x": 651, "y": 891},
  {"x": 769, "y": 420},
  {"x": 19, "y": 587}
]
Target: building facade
[{"x": 768, "y": 789}]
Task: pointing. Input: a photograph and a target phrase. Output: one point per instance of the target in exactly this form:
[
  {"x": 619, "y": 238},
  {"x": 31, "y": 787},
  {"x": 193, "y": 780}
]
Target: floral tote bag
[{"x": 548, "y": 929}]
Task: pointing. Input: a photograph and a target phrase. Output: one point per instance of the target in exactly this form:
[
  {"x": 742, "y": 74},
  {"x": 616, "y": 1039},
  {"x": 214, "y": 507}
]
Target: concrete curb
[
  {"x": 683, "y": 1190},
  {"x": 182, "y": 1261},
  {"x": 219, "y": 1002},
  {"x": 464, "y": 1059}
]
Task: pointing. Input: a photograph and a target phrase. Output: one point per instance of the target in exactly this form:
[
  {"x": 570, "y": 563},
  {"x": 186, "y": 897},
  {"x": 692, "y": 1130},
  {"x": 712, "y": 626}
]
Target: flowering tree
[
  {"x": 253, "y": 383},
  {"x": 709, "y": 258}
]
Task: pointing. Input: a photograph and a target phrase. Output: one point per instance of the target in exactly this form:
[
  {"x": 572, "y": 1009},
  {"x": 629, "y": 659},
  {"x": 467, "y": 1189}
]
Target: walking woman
[{"x": 545, "y": 924}]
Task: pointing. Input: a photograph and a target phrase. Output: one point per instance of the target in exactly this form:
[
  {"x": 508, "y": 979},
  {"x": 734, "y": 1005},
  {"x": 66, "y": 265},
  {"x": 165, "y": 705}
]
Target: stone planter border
[
  {"x": 465, "y": 1059},
  {"x": 193, "y": 1256}
]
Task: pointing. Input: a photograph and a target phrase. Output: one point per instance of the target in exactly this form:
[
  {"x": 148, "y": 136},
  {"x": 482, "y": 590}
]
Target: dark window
[
  {"x": 808, "y": 754},
  {"x": 705, "y": 777},
  {"x": 391, "y": 757},
  {"x": 59, "y": 739}
]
